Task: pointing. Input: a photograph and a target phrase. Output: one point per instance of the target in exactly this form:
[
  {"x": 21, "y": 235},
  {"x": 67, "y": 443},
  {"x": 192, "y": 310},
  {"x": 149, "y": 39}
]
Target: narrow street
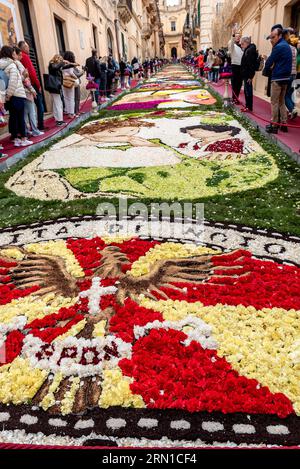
[{"x": 134, "y": 339}]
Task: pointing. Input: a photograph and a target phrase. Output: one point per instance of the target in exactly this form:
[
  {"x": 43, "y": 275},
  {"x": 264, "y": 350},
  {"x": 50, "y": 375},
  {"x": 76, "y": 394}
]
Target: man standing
[
  {"x": 279, "y": 64},
  {"x": 92, "y": 68},
  {"x": 248, "y": 68},
  {"x": 27, "y": 63},
  {"x": 236, "y": 53},
  {"x": 122, "y": 65}
]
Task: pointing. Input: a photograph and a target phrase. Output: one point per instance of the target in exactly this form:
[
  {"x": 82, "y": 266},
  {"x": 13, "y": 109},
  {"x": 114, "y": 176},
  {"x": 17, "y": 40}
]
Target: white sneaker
[
  {"x": 38, "y": 133},
  {"x": 17, "y": 142},
  {"x": 25, "y": 143}
]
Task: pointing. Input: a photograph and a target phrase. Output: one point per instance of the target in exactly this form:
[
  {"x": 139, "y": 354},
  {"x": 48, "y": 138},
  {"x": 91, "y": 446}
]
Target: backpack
[
  {"x": 259, "y": 63},
  {"x": 3, "y": 80}
]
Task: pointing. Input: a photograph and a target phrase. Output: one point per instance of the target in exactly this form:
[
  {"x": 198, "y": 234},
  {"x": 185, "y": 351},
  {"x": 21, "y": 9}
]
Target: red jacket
[
  {"x": 26, "y": 61},
  {"x": 200, "y": 61}
]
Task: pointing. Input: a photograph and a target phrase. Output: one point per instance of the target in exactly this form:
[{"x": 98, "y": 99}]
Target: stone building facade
[
  {"x": 191, "y": 29},
  {"x": 173, "y": 18},
  {"x": 125, "y": 28}
]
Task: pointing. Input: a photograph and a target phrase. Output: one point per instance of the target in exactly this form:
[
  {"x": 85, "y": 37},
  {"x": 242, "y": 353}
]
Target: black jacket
[
  {"x": 122, "y": 67},
  {"x": 248, "y": 63},
  {"x": 92, "y": 67},
  {"x": 103, "y": 77},
  {"x": 55, "y": 78}
]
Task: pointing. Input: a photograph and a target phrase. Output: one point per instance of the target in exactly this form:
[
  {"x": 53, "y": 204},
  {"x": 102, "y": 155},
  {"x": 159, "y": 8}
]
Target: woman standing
[
  {"x": 15, "y": 97},
  {"x": 135, "y": 65},
  {"x": 54, "y": 86},
  {"x": 70, "y": 80},
  {"x": 209, "y": 64},
  {"x": 78, "y": 74},
  {"x": 29, "y": 109},
  {"x": 216, "y": 68}
]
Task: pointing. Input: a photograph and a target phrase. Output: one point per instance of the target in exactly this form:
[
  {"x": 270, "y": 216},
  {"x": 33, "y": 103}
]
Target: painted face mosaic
[
  {"x": 188, "y": 339},
  {"x": 172, "y": 155}
]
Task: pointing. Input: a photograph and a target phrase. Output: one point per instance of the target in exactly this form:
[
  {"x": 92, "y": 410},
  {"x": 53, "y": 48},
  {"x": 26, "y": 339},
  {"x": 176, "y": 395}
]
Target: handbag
[
  {"x": 52, "y": 83},
  {"x": 69, "y": 81}
]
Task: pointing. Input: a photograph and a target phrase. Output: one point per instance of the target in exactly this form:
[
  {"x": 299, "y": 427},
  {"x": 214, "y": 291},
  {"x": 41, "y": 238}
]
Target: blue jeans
[
  {"x": 289, "y": 93},
  {"x": 40, "y": 109},
  {"x": 30, "y": 116},
  {"x": 248, "y": 90},
  {"x": 97, "y": 92},
  {"x": 215, "y": 74}
]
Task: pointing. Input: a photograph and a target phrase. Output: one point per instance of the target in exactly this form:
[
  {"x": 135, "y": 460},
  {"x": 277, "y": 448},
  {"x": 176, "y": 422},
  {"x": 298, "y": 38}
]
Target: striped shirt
[{"x": 294, "y": 60}]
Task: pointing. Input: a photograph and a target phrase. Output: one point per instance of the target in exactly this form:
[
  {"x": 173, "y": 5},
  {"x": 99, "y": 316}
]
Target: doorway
[
  {"x": 295, "y": 17},
  {"x": 174, "y": 52},
  {"x": 29, "y": 36},
  {"x": 95, "y": 38},
  {"x": 110, "y": 41},
  {"x": 59, "y": 27},
  {"x": 28, "y": 32}
]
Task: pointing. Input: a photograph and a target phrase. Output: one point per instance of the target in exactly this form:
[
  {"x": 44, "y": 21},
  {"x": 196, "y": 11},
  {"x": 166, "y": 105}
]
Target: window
[
  {"x": 60, "y": 35},
  {"x": 109, "y": 42},
  {"x": 173, "y": 25},
  {"x": 123, "y": 47},
  {"x": 219, "y": 7},
  {"x": 95, "y": 37}
]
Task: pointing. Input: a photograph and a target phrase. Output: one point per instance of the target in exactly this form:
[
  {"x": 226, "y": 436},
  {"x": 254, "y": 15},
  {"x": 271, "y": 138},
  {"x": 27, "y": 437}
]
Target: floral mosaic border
[
  {"x": 154, "y": 424},
  {"x": 120, "y": 422},
  {"x": 263, "y": 243}
]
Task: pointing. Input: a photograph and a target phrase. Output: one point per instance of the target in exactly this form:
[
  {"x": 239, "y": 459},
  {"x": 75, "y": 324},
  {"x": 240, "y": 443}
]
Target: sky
[{"x": 172, "y": 2}]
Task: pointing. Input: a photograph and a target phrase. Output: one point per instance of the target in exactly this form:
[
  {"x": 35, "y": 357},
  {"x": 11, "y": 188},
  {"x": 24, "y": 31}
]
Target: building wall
[
  {"x": 78, "y": 23},
  {"x": 191, "y": 31},
  {"x": 207, "y": 14},
  {"x": 173, "y": 38},
  {"x": 255, "y": 19},
  {"x": 86, "y": 24},
  {"x": 152, "y": 45}
]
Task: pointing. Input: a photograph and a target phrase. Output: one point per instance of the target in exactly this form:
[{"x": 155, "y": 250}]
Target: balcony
[
  {"x": 125, "y": 10},
  {"x": 146, "y": 31},
  {"x": 187, "y": 30}
]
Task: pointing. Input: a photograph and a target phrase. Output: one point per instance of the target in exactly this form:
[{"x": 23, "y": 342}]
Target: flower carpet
[
  {"x": 175, "y": 155},
  {"x": 131, "y": 339}
]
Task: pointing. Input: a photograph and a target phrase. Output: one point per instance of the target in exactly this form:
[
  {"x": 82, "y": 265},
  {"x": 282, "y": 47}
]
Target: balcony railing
[
  {"x": 125, "y": 10},
  {"x": 186, "y": 29}
]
